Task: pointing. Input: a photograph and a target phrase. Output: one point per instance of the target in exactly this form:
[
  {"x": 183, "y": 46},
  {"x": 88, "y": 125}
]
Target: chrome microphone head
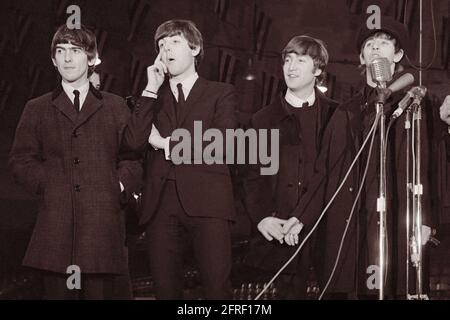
[{"x": 380, "y": 71}]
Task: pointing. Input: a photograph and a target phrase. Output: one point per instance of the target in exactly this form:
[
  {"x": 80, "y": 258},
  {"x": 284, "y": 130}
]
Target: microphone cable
[
  {"x": 350, "y": 217},
  {"x": 371, "y": 132}
]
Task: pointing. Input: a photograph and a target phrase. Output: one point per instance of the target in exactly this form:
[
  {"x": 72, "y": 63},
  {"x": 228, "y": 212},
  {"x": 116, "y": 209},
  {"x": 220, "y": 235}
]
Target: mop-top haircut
[
  {"x": 306, "y": 45},
  {"x": 186, "y": 28},
  {"x": 83, "y": 38}
]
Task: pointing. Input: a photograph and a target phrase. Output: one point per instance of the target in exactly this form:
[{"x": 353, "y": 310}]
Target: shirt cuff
[
  {"x": 149, "y": 94},
  {"x": 150, "y": 139},
  {"x": 167, "y": 148}
]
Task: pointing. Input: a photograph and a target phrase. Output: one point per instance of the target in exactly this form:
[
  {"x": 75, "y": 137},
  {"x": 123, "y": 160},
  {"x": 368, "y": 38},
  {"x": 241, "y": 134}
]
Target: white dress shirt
[
  {"x": 84, "y": 89},
  {"x": 296, "y": 102}
]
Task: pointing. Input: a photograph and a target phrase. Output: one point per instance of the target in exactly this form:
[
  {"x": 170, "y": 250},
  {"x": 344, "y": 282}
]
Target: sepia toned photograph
[{"x": 240, "y": 151}]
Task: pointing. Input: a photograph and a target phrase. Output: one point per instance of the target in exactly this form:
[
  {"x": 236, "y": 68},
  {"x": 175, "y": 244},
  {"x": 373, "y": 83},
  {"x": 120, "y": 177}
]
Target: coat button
[
  {"x": 77, "y": 188},
  {"x": 76, "y": 160},
  {"x": 75, "y": 134}
]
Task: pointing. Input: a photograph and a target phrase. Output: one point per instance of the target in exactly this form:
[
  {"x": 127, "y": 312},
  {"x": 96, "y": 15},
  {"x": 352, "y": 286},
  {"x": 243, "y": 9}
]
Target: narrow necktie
[
  {"x": 76, "y": 101},
  {"x": 181, "y": 99},
  {"x": 180, "y": 104}
]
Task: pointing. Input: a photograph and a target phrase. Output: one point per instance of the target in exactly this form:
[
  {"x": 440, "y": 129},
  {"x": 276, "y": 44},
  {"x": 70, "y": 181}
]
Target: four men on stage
[{"x": 79, "y": 150}]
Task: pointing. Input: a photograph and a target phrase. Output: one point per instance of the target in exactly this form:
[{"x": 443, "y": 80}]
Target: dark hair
[
  {"x": 306, "y": 45},
  {"x": 83, "y": 38},
  {"x": 383, "y": 35},
  {"x": 186, "y": 28}
]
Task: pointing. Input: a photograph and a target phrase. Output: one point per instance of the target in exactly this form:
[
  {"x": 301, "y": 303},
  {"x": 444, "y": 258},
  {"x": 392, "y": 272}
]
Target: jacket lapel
[
  {"x": 93, "y": 102},
  {"x": 192, "y": 99},
  {"x": 62, "y": 102},
  {"x": 168, "y": 105}
]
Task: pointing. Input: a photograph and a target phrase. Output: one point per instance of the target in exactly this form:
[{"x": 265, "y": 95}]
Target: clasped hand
[{"x": 283, "y": 230}]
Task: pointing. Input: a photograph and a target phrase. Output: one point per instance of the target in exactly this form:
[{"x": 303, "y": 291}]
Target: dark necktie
[
  {"x": 76, "y": 101},
  {"x": 180, "y": 104}
]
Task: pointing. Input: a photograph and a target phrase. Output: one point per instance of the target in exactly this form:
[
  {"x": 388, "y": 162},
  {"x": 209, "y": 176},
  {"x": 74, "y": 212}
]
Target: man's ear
[
  {"x": 54, "y": 62},
  {"x": 195, "y": 51},
  {"x": 361, "y": 59},
  {"x": 91, "y": 62},
  {"x": 398, "y": 56},
  {"x": 317, "y": 72}
]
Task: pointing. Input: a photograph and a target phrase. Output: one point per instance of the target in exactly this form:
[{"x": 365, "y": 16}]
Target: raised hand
[{"x": 155, "y": 75}]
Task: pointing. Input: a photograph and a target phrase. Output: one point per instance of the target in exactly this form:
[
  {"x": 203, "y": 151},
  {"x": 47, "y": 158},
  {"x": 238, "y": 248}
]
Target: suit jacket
[
  {"x": 204, "y": 190},
  {"x": 74, "y": 163}
]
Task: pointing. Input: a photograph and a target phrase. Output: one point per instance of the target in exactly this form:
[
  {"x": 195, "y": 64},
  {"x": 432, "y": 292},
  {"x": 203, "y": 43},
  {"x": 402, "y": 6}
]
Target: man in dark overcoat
[
  {"x": 67, "y": 152},
  {"x": 301, "y": 116}
]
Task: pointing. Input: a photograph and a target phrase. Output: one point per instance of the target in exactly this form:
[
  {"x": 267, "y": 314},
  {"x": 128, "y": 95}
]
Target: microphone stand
[
  {"x": 417, "y": 190},
  {"x": 408, "y": 197},
  {"x": 383, "y": 94}
]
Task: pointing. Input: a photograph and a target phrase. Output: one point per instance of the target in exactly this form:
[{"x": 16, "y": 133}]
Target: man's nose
[
  {"x": 292, "y": 65},
  {"x": 67, "y": 56}
]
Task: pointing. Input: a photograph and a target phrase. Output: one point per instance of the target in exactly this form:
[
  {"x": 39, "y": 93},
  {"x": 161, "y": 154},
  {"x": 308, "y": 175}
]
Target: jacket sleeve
[
  {"x": 129, "y": 160},
  {"x": 312, "y": 202},
  {"x": 258, "y": 198},
  {"x": 327, "y": 170},
  {"x": 139, "y": 126},
  {"x": 26, "y": 159}
]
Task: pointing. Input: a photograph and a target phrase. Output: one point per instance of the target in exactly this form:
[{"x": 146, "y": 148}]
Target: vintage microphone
[
  {"x": 414, "y": 93},
  {"x": 380, "y": 70}
]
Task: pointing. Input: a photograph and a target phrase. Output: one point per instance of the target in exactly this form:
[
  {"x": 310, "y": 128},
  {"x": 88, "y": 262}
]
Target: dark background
[{"x": 234, "y": 31}]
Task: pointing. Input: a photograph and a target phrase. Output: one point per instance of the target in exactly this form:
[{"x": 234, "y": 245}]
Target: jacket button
[
  {"x": 75, "y": 134},
  {"x": 76, "y": 161},
  {"x": 299, "y": 183},
  {"x": 77, "y": 188}
]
